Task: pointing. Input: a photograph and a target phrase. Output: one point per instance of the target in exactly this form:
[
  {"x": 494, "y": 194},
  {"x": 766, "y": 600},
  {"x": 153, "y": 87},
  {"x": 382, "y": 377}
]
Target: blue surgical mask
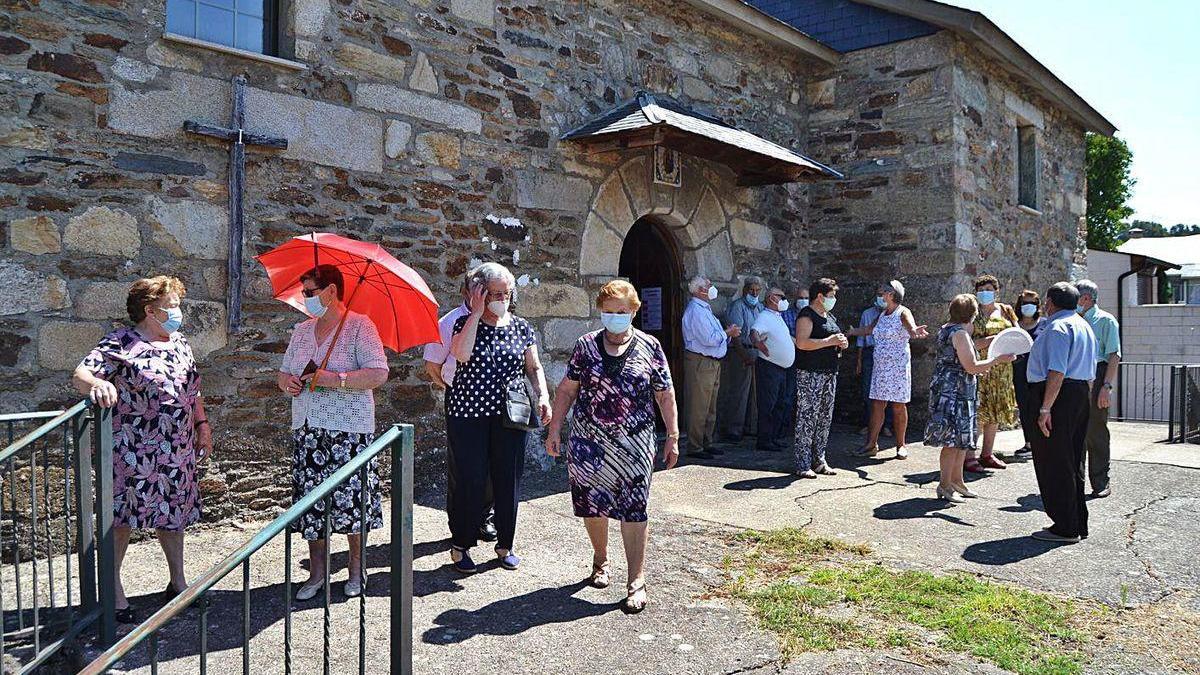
[
  {"x": 616, "y": 323},
  {"x": 986, "y": 297},
  {"x": 1028, "y": 310},
  {"x": 174, "y": 319},
  {"x": 314, "y": 307},
  {"x": 783, "y": 305},
  {"x": 753, "y": 300},
  {"x": 829, "y": 303},
  {"x": 801, "y": 303},
  {"x": 880, "y": 302}
]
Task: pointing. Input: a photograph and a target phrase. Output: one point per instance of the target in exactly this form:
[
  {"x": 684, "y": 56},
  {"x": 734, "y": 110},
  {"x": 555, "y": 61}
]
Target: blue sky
[{"x": 1138, "y": 63}]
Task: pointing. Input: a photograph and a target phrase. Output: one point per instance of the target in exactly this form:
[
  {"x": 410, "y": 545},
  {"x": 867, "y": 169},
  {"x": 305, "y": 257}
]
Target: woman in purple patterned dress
[
  {"x": 614, "y": 378},
  {"x": 160, "y": 430}
]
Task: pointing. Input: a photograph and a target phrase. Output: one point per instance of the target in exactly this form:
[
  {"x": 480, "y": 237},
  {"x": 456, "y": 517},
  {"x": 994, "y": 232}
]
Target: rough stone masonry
[{"x": 432, "y": 127}]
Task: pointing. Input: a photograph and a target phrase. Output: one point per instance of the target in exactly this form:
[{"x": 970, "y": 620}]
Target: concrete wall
[
  {"x": 1155, "y": 334},
  {"x": 1103, "y": 267}
]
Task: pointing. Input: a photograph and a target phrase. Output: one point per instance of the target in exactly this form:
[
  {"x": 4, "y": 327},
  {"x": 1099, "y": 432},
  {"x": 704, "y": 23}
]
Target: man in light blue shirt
[
  {"x": 705, "y": 343},
  {"x": 1108, "y": 362},
  {"x": 738, "y": 413},
  {"x": 1061, "y": 366}
]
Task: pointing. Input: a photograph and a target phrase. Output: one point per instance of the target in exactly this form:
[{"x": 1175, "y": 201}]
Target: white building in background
[{"x": 1152, "y": 285}]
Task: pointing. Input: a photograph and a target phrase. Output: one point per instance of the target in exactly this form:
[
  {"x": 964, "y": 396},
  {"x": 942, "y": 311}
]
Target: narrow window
[
  {"x": 242, "y": 24},
  {"x": 1027, "y": 167}
]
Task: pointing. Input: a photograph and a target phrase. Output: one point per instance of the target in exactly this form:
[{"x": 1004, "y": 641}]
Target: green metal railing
[
  {"x": 76, "y": 443},
  {"x": 399, "y": 439}
]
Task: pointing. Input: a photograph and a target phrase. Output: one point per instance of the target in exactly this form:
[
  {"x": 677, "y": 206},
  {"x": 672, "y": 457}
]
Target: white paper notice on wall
[{"x": 652, "y": 308}]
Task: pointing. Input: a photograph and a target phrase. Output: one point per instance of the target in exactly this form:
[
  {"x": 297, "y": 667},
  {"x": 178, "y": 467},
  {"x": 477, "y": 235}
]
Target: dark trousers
[
  {"x": 452, "y": 484},
  {"x": 1057, "y": 459},
  {"x": 1027, "y": 407},
  {"x": 484, "y": 449},
  {"x": 868, "y": 369},
  {"x": 1098, "y": 451},
  {"x": 789, "y": 436},
  {"x": 774, "y": 411}
]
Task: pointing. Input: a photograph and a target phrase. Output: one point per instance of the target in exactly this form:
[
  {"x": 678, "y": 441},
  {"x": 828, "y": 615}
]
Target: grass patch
[{"x": 821, "y": 594}]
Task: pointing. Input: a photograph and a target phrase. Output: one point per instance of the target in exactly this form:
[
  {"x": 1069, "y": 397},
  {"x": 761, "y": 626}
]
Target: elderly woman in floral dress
[
  {"x": 160, "y": 430},
  {"x": 614, "y": 378}
]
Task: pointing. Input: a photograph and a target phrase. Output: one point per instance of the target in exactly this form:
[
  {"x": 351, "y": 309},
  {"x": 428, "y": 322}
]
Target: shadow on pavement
[
  {"x": 918, "y": 507},
  {"x": 763, "y": 483},
  {"x": 927, "y": 477},
  {"x": 1007, "y": 551},
  {"x": 1028, "y": 503},
  {"x": 512, "y": 616}
]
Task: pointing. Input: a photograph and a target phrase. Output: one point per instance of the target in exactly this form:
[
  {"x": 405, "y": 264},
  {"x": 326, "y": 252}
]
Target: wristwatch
[
  {"x": 1108, "y": 386},
  {"x": 1044, "y": 411},
  {"x": 342, "y": 380}
]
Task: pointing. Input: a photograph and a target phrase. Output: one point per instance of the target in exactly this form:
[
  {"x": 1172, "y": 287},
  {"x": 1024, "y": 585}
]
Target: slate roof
[
  {"x": 657, "y": 111},
  {"x": 845, "y": 25}
]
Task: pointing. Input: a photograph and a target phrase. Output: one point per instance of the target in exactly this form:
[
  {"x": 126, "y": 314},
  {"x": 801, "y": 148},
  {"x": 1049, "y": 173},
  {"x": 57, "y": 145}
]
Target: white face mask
[
  {"x": 783, "y": 305},
  {"x": 498, "y": 307},
  {"x": 314, "y": 307},
  {"x": 712, "y": 292}
]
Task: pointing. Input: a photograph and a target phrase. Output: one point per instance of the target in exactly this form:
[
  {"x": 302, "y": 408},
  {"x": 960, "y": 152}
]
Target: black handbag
[{"x": 519, "y": 412}]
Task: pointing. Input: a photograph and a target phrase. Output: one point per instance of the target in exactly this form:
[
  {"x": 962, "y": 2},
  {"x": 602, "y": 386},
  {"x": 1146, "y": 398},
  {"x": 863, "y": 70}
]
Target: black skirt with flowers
[{"x": 317, "y": 454}]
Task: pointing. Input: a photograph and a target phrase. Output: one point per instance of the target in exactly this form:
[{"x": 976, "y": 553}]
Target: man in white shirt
[
  {"x": 705, "y": 342},
  {"x": 776, "y": 354},
  {"x": 440, "y": 366}
]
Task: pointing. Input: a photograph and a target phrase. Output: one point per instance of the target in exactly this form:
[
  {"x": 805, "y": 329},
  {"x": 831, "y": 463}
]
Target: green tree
[
  {"x": 1182, "y": 230},
  {"x": 1108, "y": 191}
]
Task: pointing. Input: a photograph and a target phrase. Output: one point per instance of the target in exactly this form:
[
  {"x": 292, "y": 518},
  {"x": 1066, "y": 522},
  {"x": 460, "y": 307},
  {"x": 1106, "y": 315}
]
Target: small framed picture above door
[{"x": 667, "y": 170}]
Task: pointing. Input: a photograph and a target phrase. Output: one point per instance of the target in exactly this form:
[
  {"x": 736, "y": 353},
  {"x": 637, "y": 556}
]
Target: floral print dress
[
  {"x": 997, "y": 401},
  {"x": 154, "y": 436},
  {"x": 953, "y": 395},
  {"x": 891, "y": 378},
  {"x": 610, "y": 456}
]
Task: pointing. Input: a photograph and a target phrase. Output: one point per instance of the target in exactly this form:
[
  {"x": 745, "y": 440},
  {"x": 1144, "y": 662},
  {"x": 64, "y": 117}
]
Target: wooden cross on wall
[{"x": 238, "y": 138}]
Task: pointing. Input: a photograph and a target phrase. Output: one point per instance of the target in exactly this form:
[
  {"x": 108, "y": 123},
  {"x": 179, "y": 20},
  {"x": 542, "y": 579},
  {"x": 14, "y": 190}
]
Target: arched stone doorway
[{"x": 650, "y": 260}]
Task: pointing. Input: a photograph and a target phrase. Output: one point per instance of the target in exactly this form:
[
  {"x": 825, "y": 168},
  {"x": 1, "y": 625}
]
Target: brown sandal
[{"x": 600, "y": 577}]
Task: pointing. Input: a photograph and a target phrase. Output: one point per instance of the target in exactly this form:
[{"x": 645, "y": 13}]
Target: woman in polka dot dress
[{"x": 493, "y": 348}]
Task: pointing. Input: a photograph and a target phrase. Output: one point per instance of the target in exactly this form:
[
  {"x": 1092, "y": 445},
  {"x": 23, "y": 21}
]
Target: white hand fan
[{"x": 1010, "y": 341}]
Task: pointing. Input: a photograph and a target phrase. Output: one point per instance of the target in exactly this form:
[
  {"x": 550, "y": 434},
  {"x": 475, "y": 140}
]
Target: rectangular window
[
  {"x": 241, "y": 24},
  {"x": 1027, "y": 167}
]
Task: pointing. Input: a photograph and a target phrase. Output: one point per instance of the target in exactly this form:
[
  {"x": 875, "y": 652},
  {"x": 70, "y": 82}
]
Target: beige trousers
[{"x": 701, "y": 380}]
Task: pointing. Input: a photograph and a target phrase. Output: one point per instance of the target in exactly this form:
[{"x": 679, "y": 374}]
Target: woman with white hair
[
  {"x": 891, "y": 381},
  {"x": 495, "y": 352}
]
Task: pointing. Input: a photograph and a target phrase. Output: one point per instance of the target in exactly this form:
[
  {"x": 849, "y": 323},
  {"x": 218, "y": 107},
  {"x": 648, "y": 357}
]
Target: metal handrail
[
  {"x": 86, "y": 526},
  {"x": 24, "y": 416},
  {"x": 36, "y": 435},
  {"x": 216, "y": 573}
]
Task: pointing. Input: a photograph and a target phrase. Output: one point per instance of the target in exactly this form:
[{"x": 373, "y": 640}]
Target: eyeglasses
[
  {"x": 499, "y": 295},
  {"x": 309, "y": 292}
]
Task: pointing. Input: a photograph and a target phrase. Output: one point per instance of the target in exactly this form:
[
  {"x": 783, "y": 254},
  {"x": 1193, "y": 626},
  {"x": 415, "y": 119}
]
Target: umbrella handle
[{"x": 312, "y": 385}]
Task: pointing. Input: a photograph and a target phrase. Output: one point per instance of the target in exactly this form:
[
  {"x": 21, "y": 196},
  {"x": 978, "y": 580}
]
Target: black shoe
[
  {"x": 700, "y": 454},
  {"x": 488, "y": 531},
  {"x": 1101, "y": 494},
  {"x": 126, "y": 615},
  {"x": 716, "y": 451},
  {"x": 168, "y": 594}
]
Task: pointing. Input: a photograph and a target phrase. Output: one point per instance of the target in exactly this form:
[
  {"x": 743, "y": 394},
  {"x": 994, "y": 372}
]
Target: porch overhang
[{"x": 656, "y": 120}]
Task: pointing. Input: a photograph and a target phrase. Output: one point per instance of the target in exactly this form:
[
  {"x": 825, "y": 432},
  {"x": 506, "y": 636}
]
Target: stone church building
[{"x": 572, "y": 140}]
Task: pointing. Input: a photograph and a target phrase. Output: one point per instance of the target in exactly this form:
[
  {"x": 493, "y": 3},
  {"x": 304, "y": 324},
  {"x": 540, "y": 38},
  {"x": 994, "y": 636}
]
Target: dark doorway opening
[{"x": 650, "y": 261}]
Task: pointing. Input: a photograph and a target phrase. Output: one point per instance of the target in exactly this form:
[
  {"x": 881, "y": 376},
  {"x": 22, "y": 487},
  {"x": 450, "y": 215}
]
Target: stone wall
[
  {"x": 1024, "y": 248},
  {"x": 430, "y": 127},
  {"x": 884, "y": 118}
]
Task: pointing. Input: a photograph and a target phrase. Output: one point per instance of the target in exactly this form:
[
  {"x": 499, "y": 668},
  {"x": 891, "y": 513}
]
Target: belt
[{"x": 703, "y": 356}]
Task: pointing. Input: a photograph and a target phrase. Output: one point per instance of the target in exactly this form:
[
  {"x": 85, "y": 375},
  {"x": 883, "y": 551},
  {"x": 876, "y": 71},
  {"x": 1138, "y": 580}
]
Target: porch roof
[{"x": 654, "y": 119}]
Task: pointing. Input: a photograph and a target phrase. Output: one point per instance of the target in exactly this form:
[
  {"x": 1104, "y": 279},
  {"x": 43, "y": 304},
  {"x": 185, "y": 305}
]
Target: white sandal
[{"x": 630, "y": 606}]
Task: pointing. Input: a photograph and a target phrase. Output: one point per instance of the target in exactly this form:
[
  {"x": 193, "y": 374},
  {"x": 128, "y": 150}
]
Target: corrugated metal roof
[{"x": 647, "y": 110}]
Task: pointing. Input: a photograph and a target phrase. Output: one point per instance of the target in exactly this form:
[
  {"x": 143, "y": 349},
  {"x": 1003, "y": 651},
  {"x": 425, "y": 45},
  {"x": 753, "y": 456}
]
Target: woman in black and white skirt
[{"x": 334, "y": 423}]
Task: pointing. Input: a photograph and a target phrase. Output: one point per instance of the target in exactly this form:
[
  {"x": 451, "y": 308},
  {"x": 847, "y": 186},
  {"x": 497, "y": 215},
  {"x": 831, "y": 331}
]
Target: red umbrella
[{"x": 390, "y": 293}]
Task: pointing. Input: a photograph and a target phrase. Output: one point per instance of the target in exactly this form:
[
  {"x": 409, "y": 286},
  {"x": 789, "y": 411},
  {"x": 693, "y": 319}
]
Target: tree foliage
[
  {"x": 1109, "y": 188},
  {"x": 1151, "y": 230}
]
